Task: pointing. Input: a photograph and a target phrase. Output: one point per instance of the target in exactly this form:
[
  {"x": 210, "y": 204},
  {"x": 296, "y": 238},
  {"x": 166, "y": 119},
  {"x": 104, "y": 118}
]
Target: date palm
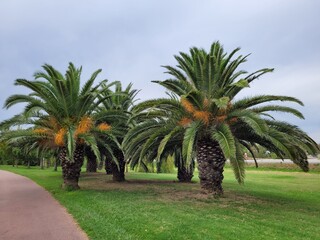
[
  {"x": 119, "y": 104},
  {"x": 147, "y": 141},
  {"x": 61, "y": 115},
  {"x": 216, "y": 126}
]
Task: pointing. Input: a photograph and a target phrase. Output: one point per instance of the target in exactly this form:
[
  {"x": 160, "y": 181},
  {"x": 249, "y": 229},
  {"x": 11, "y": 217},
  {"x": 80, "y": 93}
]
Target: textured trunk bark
[
  {"x": 71, "y": 169},
  {"x": 48, "y": 162},
  {"x": 118, "y": 173},
  {"x": 41, "y": 163},
  {"x": 210, "y": 165},
  {"x": 101, "y": 163},
  {"x": 108, "y": 166},
  {"x": 56, "y": 162},
  {"x": 91, "y": 160},
  {"x": 184, "y": 174}
]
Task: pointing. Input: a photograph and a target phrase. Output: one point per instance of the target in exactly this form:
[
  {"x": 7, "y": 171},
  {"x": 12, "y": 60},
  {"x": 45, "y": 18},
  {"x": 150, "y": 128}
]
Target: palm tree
[
  {"x": 92, "y": 164},
  {"x": 215, "y": 126},
  {"x": 61, "y": 114},
  {"x": 148, "y": 142},
  {"x": 116, "y": 109}
]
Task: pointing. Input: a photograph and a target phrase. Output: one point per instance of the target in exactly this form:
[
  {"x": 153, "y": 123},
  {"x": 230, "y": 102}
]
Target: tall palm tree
[
  {"x": 61, "y": 114},
  {"x": 215, "y": 126}
]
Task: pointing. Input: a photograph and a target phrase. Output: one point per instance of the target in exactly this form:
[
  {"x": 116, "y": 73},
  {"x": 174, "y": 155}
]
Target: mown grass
[
  {"x": 271, "y": 205},
  {"x": 282, "y": 167}
]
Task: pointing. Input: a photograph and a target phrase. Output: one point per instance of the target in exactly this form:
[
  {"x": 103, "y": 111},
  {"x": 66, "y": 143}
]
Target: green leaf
[
  {"x": 242, "y": 83},
  {"x": 237, "y": 163},
  {"x": 223, "y": 135},
  {"x": 189, "y": 141},
  {"x": 165, "y": 140},
  {"x": 91, "y": 141},
  {"x": 70, "y": 143},
  {"x": 221, "y": 102}
]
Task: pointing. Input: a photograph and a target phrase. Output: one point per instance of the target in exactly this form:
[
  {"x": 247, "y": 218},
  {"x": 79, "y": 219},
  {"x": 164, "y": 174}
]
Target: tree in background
[
  {"x": 117, "y": 110},
  {"x": 151, "y": 140}
]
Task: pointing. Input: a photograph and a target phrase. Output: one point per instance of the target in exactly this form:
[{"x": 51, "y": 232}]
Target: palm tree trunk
[
  {"x": 41, "y": 163},
  {"x": 108, "y": 166},
  {"x": 184, "y": 174},
  {"x": 71, "y": 169},
  {"x": 101, "y": 163},
  {"x": 91, "y": 160},
  {"x": 55, "y": 167},
  {"x": 118, "y": 172},
  {"x": 210, "y": 165},
  {"x": 56, "y": 161}
]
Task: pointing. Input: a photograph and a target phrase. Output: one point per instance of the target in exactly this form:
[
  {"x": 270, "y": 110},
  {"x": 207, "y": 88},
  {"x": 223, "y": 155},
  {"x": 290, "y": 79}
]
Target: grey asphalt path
[
  {"x": 265, "y": 160},
  {"x": 28, "y": 212}
]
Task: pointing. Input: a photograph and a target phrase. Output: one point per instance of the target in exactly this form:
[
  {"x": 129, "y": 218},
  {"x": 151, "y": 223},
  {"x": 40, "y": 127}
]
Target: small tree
[{"x": 116, "y": 109}]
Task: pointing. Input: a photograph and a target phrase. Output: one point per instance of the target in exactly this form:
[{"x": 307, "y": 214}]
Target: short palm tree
[
  {"x": 61, "y": 114},
  {"x": 215, "y": 126},
  {"x": 116, "y": 108},
  {"x": 148, "y": 141}
]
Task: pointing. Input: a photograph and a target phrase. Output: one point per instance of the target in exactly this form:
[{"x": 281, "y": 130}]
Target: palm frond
[
  {"x": 165, "y": 140},
  {"x": 188, "y": 143},
  {"x": 253, "y": 101},
  {"x": 91, "y": 141},
  {"x": 223, "y": 135},
  {"x": 276, "y": 108},
  {"x": 237, "y": 163}
]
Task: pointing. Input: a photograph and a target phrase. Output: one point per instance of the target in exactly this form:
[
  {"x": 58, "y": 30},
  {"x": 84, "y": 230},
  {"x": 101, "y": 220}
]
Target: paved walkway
[
  {"x": 288, "y": 161},
  {"x": 28, "y": 212}
]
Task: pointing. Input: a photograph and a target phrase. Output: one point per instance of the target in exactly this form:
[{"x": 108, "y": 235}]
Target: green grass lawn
[{"x": 271, "y": 205}]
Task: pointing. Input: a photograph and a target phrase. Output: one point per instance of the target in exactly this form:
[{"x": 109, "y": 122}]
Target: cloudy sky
[{"x": 130, "y": 40}]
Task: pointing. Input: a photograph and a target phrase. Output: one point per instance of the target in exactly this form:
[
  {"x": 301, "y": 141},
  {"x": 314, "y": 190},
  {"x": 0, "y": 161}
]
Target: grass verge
[{"x": 271, "y": 205}]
